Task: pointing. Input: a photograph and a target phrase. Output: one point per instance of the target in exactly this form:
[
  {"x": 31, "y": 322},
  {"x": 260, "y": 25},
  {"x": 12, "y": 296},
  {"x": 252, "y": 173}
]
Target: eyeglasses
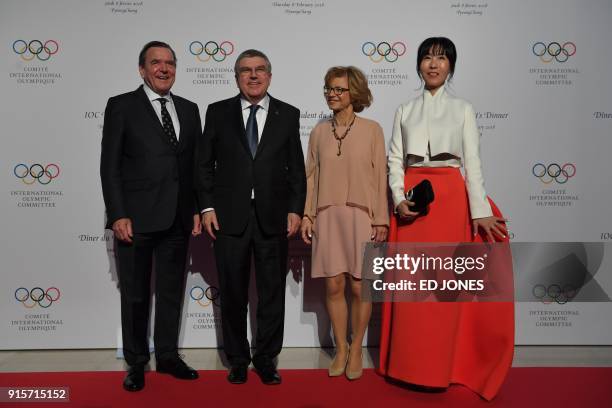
[
  {"x": 337, "y": 90},
  {"x": 261, "y": 70}
]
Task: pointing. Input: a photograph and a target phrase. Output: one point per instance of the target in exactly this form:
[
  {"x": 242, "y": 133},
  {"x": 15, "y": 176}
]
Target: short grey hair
[{"x": 250, "y": 54}]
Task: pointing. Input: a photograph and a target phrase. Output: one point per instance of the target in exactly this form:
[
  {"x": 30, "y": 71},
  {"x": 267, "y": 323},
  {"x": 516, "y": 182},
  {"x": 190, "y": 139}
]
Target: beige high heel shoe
[
  {"x": 337, "y": 372},
  {"x": 354, "y": 375}
]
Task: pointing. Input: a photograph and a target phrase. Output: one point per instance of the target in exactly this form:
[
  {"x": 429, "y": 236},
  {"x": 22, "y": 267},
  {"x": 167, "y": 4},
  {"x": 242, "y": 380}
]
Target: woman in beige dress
[{"x": 346, "y": 206}]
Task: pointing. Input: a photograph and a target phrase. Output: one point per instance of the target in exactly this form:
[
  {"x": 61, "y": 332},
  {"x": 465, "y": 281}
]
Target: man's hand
[
  {"x": 293, "y": 224},
  {"x": 197, "y": 225},
  {"x": 209, "y": 219},
  {"x": 123, "y": 230},
  {"x": 307, "y": 230}
]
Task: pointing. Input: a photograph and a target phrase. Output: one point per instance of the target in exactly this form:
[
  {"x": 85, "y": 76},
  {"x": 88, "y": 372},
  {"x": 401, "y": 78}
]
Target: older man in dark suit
[
  {"x": 147, "y": 180},
  {"x": 251, "y": 187}
]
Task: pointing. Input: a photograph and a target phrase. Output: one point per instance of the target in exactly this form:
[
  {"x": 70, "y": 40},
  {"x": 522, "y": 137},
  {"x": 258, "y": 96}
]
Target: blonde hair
[{"x": 361, "y": 97}]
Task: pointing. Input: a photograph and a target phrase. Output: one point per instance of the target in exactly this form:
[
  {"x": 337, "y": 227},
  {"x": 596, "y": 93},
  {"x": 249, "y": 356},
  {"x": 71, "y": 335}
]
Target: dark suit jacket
[
  {"x": 143, "y": 178},
  {"x": 226, "y": 173}
]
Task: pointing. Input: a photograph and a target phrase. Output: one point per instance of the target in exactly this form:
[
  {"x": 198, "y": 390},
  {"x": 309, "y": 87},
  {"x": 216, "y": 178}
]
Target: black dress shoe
[
  {"x": 238, "y": 374},
  {"x": 177, "y": 368},
  {"x": 269, "y": 375},
  {"x": 134, "y": 380}
]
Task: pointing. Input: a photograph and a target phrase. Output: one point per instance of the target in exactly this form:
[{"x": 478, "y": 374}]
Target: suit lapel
[
  {"x": 268, "y": 130},
  {"x": 151, "y": 112},
  {"x": 238, "y": 123},
  {"x": 180, "y": 113}
]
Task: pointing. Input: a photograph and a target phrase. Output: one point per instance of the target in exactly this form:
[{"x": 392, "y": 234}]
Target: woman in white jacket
[{"x": 434, "y": 135}]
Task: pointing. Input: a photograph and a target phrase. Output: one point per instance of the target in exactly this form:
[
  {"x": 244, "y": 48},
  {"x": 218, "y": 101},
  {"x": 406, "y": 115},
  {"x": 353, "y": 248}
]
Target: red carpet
[{"x": 524, "y": 388}]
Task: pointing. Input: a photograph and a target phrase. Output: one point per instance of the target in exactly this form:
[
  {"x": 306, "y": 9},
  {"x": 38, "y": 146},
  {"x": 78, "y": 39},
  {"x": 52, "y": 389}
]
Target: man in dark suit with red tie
[
  {"x": 147, "y": 180},
  {"x": 251, "y": 187}
]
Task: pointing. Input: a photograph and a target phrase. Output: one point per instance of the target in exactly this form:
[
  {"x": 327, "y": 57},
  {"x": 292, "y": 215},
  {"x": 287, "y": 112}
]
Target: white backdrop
[{"x": 63, "y": 59}]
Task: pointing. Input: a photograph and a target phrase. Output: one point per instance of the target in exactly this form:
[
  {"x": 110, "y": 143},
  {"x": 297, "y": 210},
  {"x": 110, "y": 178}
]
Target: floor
[{"x": 211, "y": 359}]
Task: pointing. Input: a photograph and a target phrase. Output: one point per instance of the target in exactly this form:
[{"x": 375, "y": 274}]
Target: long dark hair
[{"x": 438, "y": 46}]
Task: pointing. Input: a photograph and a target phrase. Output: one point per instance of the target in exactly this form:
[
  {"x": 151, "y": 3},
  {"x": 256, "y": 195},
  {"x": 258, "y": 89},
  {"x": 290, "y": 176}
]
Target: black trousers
[
  {"x": 168, "y": 249},
  {"x": 233, "y": 255}
]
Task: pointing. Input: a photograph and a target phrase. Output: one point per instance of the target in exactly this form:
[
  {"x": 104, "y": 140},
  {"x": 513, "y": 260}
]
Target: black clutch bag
[{"x": 421, "y": 195}]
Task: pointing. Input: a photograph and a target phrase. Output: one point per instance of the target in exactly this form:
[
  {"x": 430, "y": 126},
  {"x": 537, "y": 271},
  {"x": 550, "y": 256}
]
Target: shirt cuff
[{"x": 397, "y": 199}]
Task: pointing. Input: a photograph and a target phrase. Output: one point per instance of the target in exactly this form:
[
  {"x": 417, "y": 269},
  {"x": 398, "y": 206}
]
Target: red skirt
[{"x": 437, "y": 344}]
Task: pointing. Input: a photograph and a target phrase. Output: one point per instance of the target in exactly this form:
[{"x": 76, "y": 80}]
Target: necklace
[{"x": 341, "y": 138}]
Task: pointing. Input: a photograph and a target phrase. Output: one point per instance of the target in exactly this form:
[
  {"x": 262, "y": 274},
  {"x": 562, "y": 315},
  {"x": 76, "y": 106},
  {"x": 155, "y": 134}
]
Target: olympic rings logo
[
  {"x": 553, "y": 51},
  {"x": 211, "y": 293},
  {"x": 554, "y": 293},
  {"x": 36, "y": 172},
  {"x": 35, "y": 49},
  {"x": 37, "y": 296},
  {"x": 383, "y": 51},
  {"x": 218, "y": 52},
  {"x": 554, "y": 171}
]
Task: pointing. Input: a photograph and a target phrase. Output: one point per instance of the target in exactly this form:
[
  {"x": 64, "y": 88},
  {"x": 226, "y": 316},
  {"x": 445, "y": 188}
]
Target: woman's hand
[
  {"x": 403, "y": 210},
  {"x": 491, "y": 225},
  {"x": 306, "y": 230},
  {"x": 379, "y": 233}
]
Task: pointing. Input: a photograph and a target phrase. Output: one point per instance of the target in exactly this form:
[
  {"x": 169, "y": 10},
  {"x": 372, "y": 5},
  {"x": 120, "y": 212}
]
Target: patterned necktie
[
  {"x": 251, "y": 129},
  {"x": 167, "y": 124}
]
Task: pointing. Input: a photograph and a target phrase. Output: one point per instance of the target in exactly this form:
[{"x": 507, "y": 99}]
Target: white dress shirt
[
  {"x": 260, "y": 115},
  {"x": 169, "y": 105},
  {"x": 430, "y": 126}
]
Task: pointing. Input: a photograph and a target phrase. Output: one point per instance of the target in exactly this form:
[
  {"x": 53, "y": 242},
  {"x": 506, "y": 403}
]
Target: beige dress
[{"x": 346, "y": 195}]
